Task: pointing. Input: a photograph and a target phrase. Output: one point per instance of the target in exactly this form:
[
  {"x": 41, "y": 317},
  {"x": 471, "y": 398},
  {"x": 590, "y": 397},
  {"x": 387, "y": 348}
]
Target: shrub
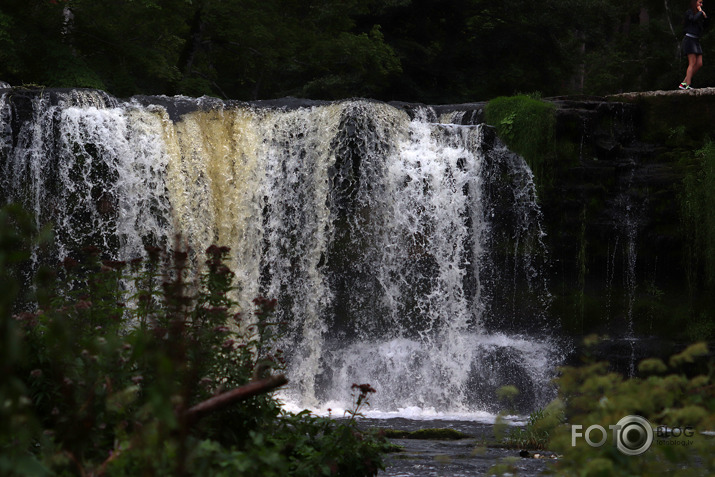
[
  {"x": 526, "y": 125},
  {"x": 147, "y": 368},
  {"x": 536, "y": 435},
  {"x": 678, "y": 394}
]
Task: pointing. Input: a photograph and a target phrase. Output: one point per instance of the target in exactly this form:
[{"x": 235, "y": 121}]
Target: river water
[{"x": 471, "y": 456}]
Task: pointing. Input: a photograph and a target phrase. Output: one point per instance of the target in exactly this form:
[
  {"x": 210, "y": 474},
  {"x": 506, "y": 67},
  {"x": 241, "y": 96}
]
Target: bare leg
[{"x": 694, "y": 64}]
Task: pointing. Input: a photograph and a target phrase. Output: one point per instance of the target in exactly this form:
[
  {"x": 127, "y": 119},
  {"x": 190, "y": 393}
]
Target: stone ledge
[
  {"x": 661, "y": 93},
  {"x": 664, "y": 113}
]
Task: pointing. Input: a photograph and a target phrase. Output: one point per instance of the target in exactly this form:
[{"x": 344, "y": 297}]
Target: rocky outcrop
[
  {"x": 612, "y": 209},
  {"x": 608, "y": 193},
  {"x": 665, "y": 113}
]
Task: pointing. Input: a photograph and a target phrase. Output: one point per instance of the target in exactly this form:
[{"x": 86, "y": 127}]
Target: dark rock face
[
  {"x": 501, "y": 368},
  {"x": 613, "y": 215},
  {"x": 660, "y": 113},
  {"x": 611, "y": 211},
  {"x": 612, "y": 218}
]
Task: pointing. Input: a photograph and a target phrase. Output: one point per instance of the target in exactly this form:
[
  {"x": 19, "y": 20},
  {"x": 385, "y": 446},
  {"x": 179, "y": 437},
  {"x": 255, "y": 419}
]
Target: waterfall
[
  {"x": 627, "y": 226},
  {"x": 405, "y": 250}
]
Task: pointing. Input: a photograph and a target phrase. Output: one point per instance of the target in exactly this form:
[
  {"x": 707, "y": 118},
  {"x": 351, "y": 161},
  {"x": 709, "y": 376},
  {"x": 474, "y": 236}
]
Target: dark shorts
[{"x": 692, "y": 46}]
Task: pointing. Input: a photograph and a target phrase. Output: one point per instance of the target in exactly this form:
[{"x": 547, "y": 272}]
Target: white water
[{"x": 373, "y": 230}]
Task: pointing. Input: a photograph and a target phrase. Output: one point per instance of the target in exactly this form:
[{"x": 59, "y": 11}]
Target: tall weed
[{"x": 144, "y": 368}]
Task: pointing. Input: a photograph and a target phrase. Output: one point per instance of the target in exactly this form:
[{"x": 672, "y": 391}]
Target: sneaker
[{"x": 684, "y": 86}]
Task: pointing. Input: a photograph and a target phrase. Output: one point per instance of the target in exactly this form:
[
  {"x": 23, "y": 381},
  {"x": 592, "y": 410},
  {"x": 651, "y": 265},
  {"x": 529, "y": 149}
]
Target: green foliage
[
  {"x": 8, "y": 53},
  {"x": 435, "y": 52},
  {"x": 17, "y": 422},
  {"x": 101, "y": 377},
  {"x": 71, "y": 71},
  {"x": 678, "y": 394},
  {"x": 697, "y": 206},
  {"x": 300, "y": 445},
  {"x": 507, "y": 394},
  {"x": 539, "y": 427},
  {"x": 526, "y": 125},
  {"x": 352, "y": 65}
]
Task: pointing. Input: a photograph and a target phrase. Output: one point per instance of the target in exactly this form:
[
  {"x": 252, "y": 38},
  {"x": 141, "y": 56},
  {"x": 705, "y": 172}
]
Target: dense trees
[{"x": 418, "y": 50}]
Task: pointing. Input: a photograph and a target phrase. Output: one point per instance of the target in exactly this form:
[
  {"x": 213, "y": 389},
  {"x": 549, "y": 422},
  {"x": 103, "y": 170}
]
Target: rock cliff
[
  {"x": 613, "y": 214},
  {"x": 610, "y": 202}
]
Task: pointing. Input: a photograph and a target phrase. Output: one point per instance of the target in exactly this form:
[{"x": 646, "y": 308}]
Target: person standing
[{"x": 694, "y": 25}]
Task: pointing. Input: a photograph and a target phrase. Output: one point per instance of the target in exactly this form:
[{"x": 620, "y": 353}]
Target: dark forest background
[{"x": 411, "y": 50}]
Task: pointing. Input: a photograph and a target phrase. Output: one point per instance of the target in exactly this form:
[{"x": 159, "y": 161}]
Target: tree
[{"x": 414, "y": 50}]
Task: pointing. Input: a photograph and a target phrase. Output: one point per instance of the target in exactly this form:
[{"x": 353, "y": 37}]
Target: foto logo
[{"x": 632, "y": 435}]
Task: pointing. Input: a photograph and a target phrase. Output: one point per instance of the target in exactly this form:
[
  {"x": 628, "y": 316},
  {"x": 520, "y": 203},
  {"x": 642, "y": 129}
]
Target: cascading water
[
  {"x": 403, "y": 251},
  {"x": 627, "y": 226}
]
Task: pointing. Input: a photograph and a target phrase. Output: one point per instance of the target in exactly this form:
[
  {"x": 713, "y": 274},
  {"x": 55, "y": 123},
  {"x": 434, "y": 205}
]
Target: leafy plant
[
  {"x": 525, "y": 124},
  {"x": 537, "y": 433},
  {"x": 679, "y": 394},
  {"x": 677, "y": 399},
  {"x": 147, "y": 368},
  {"x": 18, "y": 424},
  {"x": 362, "y": 399},
  {"x": 304, "y": 445}
]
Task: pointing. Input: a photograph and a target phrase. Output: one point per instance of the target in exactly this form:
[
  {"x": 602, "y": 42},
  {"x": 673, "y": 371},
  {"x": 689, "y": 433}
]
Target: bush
[
  {"x": 526, "y": 125},
  {"x": 536, "y": 434},
  {"x": 678, "y": 394},
  {"x": 676, "y": 398},
  {"x": 146, "y": 368}
]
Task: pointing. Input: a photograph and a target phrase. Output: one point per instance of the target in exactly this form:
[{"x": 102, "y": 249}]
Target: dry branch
[{"x": 249, "y": 390}]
